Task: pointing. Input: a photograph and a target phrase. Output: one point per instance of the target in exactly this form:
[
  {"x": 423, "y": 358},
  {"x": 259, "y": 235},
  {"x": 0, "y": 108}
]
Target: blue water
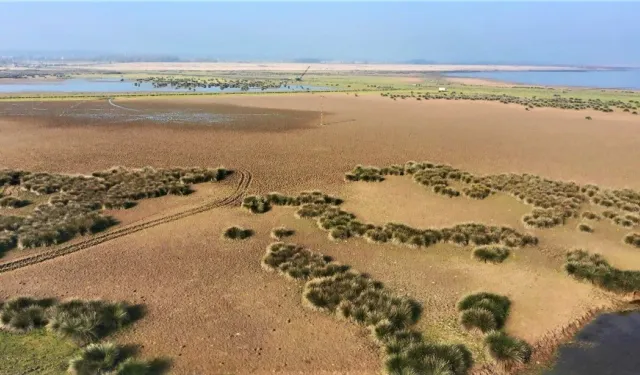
[
  {"x": 108, "y": 86},
  {"x": 610, "y": 345},
  {"x": 614, "y": 79}
]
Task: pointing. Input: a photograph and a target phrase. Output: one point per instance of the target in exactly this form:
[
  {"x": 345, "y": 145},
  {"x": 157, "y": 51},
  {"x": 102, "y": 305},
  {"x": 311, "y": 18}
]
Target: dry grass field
[{"x": 213, "y": 309}]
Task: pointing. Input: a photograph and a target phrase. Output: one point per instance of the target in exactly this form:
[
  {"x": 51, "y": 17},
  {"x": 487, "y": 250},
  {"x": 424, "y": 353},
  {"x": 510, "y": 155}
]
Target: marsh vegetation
[
  {"x": 556, "y": 101},
  {"x": 553, "y": 201},
  {"x": 75, "y": 203},
  {"x": 336, "y": 289},
  {"x": 595, "y": 269}
]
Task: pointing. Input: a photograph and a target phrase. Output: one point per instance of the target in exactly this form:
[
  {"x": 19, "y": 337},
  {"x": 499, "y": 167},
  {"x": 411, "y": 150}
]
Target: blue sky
[{"x": 583, "y": 33}]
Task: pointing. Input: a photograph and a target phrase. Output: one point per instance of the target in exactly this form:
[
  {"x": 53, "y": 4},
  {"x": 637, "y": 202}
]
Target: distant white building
[{"x": 441, "y": 89}]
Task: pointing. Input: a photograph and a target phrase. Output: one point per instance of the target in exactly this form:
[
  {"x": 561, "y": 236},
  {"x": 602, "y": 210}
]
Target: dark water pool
[
  {"x": 610, "y": 345},
  {"x": 111, "y": 85}
]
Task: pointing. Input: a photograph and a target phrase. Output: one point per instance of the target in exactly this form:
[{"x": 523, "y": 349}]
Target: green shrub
[
  {"x": 237, "y": 233},
  {"x": 584, "y": 227},
  {"x": 491, "y": 253},
  {"x": 506, "y": 350},
  {"x": 632, "y": 239},
  {"x": 281, "y": 232}
]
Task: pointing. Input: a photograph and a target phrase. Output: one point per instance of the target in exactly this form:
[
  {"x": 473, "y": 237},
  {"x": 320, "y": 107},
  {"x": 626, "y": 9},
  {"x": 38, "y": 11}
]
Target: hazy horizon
[{"x": 465, "y": 33}]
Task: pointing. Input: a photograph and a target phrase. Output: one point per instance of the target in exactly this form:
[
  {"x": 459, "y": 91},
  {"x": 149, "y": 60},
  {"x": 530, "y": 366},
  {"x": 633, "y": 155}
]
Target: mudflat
[{"x": 213, "y": 309}]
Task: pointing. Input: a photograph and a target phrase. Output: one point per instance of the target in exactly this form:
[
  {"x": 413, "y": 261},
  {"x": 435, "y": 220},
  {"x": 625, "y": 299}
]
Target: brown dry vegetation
[{"x": 211, "y": 308}]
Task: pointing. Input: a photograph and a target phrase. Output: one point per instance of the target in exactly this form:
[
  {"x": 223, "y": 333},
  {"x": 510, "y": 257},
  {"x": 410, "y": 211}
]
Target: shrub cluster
[
  {"x": 24, "y": 313},
  {"x": 491, "y": 253},
  {"x": 13, "y": 202},
  {"x": 484, "y": 311},
  {"x": 83, "y": 321},
  {"x": 262, "y": 204},
  {"x": 281, "y": 232},
  {"x": 594, "y": 268},
  {"x": 107, "y": 358},
  {"x": 632, "y": 239},
  {"x": 554, "y": 201},
  {"x": 342, "y": 225},
  {"x": 487, "y": 313},
  {"x": 75, "y": 202},
  {"x": 624, "y": 199},
  {"x": 557, "y": 101},
  {"x": 237, "y": 233},
  {"x": 336, "y": 289}
]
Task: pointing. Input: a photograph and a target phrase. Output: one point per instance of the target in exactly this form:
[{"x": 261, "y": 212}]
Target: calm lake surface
[
  {"x": 615, "y": 79},
  {"x": 610, "y": 345},
  {"x": 106, "y": 86}
]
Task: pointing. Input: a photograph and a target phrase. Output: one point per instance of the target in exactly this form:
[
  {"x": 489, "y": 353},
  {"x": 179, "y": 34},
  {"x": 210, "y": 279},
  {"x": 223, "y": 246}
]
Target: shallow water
[
  {"x": 115, "y": 85},
  {"x": 610, "y": 345},
  {"x": 617, "y": 79}
]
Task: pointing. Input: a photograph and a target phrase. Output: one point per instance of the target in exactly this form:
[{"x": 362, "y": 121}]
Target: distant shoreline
[{"x": 315, "y": 68}]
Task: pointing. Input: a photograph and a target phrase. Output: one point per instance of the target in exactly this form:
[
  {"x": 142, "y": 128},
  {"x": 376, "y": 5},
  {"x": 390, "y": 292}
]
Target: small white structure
[{"x": 441, "y": 89}]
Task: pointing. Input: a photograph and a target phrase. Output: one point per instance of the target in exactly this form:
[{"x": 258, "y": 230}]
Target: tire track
[
  {"x": 121, "y": 107},
  {"x": 235, "y": 197}
]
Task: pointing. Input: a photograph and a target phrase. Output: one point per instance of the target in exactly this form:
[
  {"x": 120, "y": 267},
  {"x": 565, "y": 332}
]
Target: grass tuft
[
  {"x": 506, "y": 350},
  {"x": 584, "y": 227},
  {"x": 281, "y": 232},
  {"x": 632, "y": 239},
  {"x": 237, "y": 233},
  {"x": 491, "y": 253}
]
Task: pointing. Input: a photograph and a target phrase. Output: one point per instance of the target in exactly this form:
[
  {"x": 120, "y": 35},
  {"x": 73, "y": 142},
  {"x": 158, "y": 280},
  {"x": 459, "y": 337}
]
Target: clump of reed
[
  {"x": 22, "y": 314},
  {"x": 281, "y": 232},
  {"x": 483, "y": 311},
  {"x": 488, "y": 313},
  {"x": 588, "y": 215},
  {"x": 373, "y": 174},
  {"x": 595, "y": 269},
  {"x": 237, "y": 233},
  {"x": 584, "y": 227},
  {"x": 632, "y": 239},
  {"x": 506, "y": 350},
  {"x": 342, "y": 225},
  {"x": 335, "y": 289},
  {"x": 262, "y": 204},
  {"x": 255, "y": 204},
  {"x": 75, "y": 203},
  {"x": 82, "y": 321},
  {"x": 109, "y": 358},
  {"x": 491, "y": 253}
]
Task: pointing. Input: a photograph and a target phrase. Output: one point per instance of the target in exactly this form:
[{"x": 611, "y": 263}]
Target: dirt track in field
[{"x": 212, "y": 309}]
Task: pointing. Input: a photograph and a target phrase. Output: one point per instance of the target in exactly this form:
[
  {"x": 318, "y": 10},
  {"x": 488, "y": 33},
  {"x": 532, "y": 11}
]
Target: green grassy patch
[{"x": 35, "y": 352}]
